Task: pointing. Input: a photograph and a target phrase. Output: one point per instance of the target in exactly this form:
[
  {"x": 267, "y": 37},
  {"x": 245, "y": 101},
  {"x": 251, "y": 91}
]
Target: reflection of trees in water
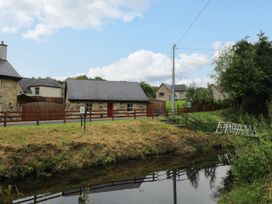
[
  {"x": 210, "y": 172},
  {"x": 226, "y": 185},
  {"x": 83, "y": 197},
  {"x": 6, "y": 194},
  {"x": 192, "y": 174}
]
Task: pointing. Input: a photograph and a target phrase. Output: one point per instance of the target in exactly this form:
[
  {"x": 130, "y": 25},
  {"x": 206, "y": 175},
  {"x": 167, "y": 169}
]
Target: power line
[
  {"x": 198, "y": 49},
  {"x": 193, "y": 22}
]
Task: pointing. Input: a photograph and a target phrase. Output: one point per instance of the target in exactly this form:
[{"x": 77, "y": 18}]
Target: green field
[{"x": 180, "y": 103}]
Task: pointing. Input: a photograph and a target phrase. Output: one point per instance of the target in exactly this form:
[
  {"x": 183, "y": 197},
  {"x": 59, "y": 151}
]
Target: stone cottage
[
  {"x": 164, "y": 92},
  {"x": 9, "y": 78},
  {"x": 104, "y": 95}
]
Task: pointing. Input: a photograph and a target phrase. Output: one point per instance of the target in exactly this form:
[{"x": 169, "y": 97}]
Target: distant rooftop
[
  {"x": 26, "y": 83},
  {"x": 178, "y": 87}
]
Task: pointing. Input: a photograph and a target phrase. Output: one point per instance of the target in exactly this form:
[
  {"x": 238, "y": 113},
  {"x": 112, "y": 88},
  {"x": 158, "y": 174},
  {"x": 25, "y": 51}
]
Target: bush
[
  {"x": 249, "y": 194},
  {"x": 253, "y": 162}
]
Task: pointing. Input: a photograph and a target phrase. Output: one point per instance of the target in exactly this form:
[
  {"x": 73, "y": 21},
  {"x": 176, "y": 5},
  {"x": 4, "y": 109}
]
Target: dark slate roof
[
  {"x": 92, "y": 90},
  {"x": 26, "y": 83},
  {"x": 7, "y": 70},
  {"x": 178, "y": 87}
]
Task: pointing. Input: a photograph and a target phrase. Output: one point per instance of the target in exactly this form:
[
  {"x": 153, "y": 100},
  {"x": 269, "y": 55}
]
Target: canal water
[{"x": 169, "y": 180}]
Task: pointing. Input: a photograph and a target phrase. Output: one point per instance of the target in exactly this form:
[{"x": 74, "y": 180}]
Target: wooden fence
[
  {"x": 37, "y": 116},
  {"x": 196, "y": 108}
]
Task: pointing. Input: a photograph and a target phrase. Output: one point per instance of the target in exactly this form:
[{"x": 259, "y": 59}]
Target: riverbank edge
[
  {"x": 46, "y": 160},
  {"x": 118, "y": 171}
]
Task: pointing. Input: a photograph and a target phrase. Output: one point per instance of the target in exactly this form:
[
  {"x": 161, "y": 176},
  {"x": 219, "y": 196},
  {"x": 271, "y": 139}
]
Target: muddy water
[{"x": 189, "y": 180}]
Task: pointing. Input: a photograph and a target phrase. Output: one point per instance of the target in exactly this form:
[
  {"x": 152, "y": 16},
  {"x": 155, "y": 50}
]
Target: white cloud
[
  {"x": 42, "y": 18},
  {"x": 151, "y": 67},
  {"x": 221, "y": 46},
  {"x": 199, "y": 81}
]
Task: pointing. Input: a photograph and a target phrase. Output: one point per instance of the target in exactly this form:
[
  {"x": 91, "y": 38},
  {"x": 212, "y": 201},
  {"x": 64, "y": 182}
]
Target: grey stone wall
[
  {"x": 8, "y": 94},
  {"x": 103, "y": 105}
]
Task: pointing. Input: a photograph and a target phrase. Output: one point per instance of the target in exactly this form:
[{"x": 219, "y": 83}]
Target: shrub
[
  {"x": 253, "y": 162},
  {"x": 249, "y": 194}
]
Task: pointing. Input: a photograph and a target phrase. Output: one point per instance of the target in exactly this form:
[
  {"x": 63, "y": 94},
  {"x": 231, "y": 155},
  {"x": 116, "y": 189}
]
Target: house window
[
  {"x": 129, "y": 107},
  {"x": 37, "y": 91},
  {"x": 161, "y": 94},
  {"x": 89, "y": 106}
]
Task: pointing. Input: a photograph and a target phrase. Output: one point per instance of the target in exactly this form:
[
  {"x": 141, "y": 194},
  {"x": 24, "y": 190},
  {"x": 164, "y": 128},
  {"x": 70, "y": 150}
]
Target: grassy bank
[
  {"x": 252, "y": 168},
  {"x": 48, "y": 149}
]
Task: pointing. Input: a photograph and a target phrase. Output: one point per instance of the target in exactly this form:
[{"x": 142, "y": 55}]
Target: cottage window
[
  {"x": 161, "y": 94},
  {"x": 89, "y": 106},
  {"x": 129, "y": 107},
  {"x": 37, "y": 91}
]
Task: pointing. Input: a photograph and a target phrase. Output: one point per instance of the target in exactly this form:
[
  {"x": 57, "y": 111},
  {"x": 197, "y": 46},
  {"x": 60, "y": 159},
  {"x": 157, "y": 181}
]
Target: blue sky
[{"x": 125, "y": 39}]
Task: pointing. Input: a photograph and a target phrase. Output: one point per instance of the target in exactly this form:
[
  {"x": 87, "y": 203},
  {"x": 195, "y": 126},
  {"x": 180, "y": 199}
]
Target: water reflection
[{"x": 197, "y": 183}]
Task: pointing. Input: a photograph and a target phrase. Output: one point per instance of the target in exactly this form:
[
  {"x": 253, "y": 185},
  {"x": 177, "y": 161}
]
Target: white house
[{"x": 41, "y": 87}]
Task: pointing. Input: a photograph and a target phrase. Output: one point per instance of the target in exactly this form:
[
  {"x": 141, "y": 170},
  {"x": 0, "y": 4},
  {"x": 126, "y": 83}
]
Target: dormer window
[{"x": 37, "y": 90}]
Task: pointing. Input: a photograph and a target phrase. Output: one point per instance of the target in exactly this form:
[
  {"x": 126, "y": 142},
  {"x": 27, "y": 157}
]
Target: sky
[{"x": 128, "y": 40}]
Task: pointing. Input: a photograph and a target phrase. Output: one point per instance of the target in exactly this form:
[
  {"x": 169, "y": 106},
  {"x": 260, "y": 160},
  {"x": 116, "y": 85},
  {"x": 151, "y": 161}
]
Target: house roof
[
  {"x": 178, "y": 87},
  {"x": 26, "y": 83},
  {"x": 7, "y": 70},
  {"x": 93, "y": 90},
  {"x": 218, "y": 87}
]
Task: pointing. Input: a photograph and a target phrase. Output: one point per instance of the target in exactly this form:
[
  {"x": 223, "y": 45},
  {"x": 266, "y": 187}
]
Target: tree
[
  {"x": 98, "y": 78},
  {"x": 199, "y": 95},
  {"x": 85, "y": 77},
  {"x": 148, "y": 89},
  {"x": 245, "y": 73},
  {"x": 81, "y": 77}
]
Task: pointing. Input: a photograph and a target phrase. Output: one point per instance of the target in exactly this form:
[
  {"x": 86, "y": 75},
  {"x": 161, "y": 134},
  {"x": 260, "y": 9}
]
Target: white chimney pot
[{"x": 3, "y": 51}]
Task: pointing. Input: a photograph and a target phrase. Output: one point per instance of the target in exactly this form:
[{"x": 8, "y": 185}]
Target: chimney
[{"x": 3, "y": 51}]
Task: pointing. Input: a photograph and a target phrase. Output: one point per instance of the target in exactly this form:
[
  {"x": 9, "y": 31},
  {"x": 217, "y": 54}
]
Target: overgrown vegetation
[
  {"x": 252, "y": 171},
  {"x": 178, "y": 104},
  {"x": 149, "y": 90},
  {"x": 48, "y": 149},
  {"x": 244, "y": 71},
  {"x": 252, "y": 168},
  {"x": 199, "y": 95}
]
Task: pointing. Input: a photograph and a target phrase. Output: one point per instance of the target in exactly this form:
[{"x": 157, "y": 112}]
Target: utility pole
[{"x": 173, "y": 81}]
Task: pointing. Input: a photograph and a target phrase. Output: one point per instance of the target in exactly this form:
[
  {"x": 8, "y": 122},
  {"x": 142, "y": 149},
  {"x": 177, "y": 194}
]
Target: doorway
[{"x": 110, "y": 109}]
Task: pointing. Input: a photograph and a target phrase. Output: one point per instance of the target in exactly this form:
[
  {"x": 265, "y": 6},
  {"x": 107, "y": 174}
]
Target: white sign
[
  {"x": 188, "y": 104},
  {"x": 82, "y": 110}
]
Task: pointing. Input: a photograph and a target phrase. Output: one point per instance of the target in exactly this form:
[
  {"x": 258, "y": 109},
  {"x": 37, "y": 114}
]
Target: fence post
[
  {"x": 64, "y": 116},
  {"x": 90, "y": 115},
  {"x": 134, "y": 113},
  {"x": 5, "y": 119},
  {"x": 177, "y": 109},
  {"x": 112, "y": 117},
  {"x": 37, "y": 118},
  {"x": 152, "y": 113}
]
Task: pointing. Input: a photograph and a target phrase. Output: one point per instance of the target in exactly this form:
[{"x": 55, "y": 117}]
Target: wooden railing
[
  {"x": 195, "y": 108},
  {"x": 37, "y": 116}
]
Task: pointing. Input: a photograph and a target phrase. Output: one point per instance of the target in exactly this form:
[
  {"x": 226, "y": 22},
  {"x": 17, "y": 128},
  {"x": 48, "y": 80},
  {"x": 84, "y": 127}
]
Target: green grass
[
  {"x": 255, "y": 193},
  {"x": 47, "y": 149},
  {"x": 210, "y": 117},
  {"x": 179, "y": 103}
]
